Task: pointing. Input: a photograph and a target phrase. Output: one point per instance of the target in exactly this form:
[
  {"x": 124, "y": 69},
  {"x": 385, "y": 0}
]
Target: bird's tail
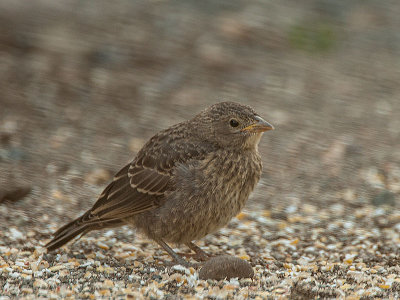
[
  {"x": 68, "y": 232},
  {"x": 80, "y": 226}
]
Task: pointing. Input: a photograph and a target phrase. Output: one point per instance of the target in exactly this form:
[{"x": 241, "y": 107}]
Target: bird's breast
[
  {"x": 234, "y": 177},
  {"x": 217, "y": 188}
]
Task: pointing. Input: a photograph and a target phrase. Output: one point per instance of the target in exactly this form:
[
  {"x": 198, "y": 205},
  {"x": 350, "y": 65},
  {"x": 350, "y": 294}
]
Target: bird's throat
[{"x": 253, "y": 140}]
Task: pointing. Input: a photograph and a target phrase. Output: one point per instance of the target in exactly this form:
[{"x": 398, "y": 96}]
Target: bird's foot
[
  {"x": 196, "y": 256},
  {"x": 181, "y": 262},
  {"x": 178, "y": 260},
  {"x": 200, "y": 254}
]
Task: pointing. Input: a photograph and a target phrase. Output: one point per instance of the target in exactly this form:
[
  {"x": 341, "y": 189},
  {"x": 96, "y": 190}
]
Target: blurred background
[{"x": 85, "y": 84}]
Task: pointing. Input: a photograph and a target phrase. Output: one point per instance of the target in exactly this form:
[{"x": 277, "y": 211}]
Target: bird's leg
[
  {"x": 200, "y": 254},
  {"x": 173, "y": 254}
]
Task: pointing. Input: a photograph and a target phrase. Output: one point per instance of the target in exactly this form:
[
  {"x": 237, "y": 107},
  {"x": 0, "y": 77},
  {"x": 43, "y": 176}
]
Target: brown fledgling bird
[{"x": 186, "y": 182}]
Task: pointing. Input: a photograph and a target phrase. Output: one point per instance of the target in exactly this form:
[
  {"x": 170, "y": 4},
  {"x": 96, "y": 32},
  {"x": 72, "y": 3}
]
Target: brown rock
[{"x": 226, "y": 266}]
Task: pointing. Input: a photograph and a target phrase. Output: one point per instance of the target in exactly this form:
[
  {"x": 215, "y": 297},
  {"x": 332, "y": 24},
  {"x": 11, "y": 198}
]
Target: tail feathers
[
  {"x": 80, "y": 226},
  {"x": 67, "y": 233}
]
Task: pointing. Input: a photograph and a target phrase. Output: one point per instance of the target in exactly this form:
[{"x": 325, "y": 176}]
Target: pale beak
[{"x": 259, "y": 126}]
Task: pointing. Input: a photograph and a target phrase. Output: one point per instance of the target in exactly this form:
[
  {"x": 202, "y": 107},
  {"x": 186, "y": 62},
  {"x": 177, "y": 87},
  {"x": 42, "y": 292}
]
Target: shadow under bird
[{"x": 187, "y": 181}]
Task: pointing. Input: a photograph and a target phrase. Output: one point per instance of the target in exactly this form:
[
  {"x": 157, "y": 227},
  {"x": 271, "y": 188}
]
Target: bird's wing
[
  {"x": 143, "y": 184},
  {"x": 120, "y": 199}
]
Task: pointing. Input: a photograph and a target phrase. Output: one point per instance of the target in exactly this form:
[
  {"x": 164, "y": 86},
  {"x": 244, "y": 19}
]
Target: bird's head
[{"x": 231, "y": 124}]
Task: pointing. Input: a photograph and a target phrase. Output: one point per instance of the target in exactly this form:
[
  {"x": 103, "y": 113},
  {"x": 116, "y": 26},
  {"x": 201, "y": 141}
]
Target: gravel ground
[{"x": 84, "y": 85}]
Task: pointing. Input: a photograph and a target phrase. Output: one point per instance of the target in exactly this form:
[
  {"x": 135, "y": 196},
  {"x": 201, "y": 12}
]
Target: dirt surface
[{"x": 84, "y": 85}]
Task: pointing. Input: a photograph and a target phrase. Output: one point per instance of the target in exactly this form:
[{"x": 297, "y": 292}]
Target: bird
[{"x": 186, "y": 182}]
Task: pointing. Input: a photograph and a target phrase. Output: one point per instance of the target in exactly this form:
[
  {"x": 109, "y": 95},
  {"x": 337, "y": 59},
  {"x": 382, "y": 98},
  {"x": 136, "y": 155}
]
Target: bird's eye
[{"x": 234, "y": 123}]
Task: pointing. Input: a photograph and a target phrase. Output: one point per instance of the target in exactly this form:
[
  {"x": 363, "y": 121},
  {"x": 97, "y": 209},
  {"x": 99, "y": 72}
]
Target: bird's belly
[{"x": 186, "y": 223}]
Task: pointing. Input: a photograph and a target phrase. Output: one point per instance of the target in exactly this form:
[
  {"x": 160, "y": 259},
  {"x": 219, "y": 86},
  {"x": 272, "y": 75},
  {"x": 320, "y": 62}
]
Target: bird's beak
[{"x": 259, "y": 126}]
